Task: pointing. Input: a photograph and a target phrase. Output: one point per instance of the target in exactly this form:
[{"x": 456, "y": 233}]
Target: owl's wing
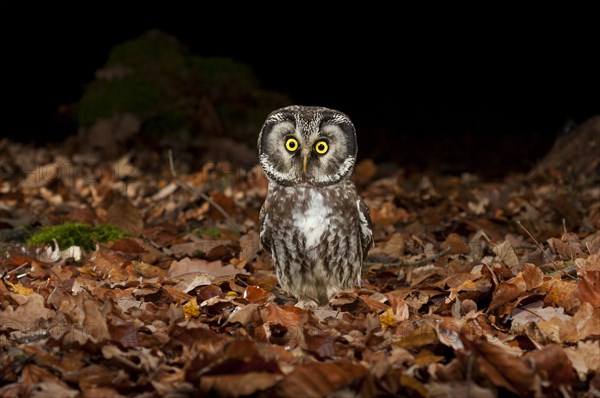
[
  {"x": 366, "y": 227},
  {"x": 265, "y": 231}
]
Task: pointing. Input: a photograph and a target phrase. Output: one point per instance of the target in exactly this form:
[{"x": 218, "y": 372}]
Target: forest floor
[{"x": 474, "y": 288}]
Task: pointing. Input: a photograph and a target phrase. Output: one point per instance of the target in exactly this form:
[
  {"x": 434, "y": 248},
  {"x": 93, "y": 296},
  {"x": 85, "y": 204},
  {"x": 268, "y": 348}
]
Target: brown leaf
[
  {"x": 388, "y": 214},
  {"x": 458, "y": 389},
  {"x": 501, "y": 367},
  {"x": 128, "y": 245},
  {"x": 507, "y": 292},
  {"x": 236, "y": 385},
  {"x": 41, "y": 176},
  {"x": 147, "y": 270},
  {"x": 123, "y": 214},
  {"x": 561, "y": 293},
  {"x": 94, "y": 324},
  {"x": 552, "y": 364},
  {"x": 589, "y": 287},
  {"x": 137, "y": 360},
  {"x": 568, "y": 250},
  {"x": 506, "y": 254},
  {"x": 534, "y": 313},
  {"x": 28, "y": 312},
  {"x": 585, "y": 323},
  {"x": 250, "y": 245},
  {"x": 319, "y": 379},
  {"x": 256, "y": 294},
  {"x": 532, "y": 276},
  {"x": 459, "y": 246},
  {"x": 283, "y": 315},
  {"x": 245, "y": 314},
  {"x": 108, "y": 264},
  {"x": 193, "y": 267},
  {"x": 585, "y": 358},
  {"x": 226, "y": 203},
  {"x": 393, "y": 248},
  {"x": 201, "y": 246},
  {"x": 364, "y": 171}
]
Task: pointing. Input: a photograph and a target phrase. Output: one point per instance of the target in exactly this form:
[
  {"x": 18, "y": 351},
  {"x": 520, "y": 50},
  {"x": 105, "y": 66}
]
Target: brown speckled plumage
[{"x": 313, "y": 222}]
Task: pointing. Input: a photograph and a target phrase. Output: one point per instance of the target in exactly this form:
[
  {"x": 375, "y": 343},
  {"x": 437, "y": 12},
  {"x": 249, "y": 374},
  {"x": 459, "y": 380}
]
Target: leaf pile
[{"x": 188, "y": 305}]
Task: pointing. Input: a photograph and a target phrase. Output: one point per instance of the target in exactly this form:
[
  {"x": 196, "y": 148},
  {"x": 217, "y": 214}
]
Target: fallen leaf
[
  {"x": 199, "y": 247},
  {"x": 561, "y": 293},
  {"x": 191, "y": 309},
  {"x": 319, "y": 379},
  {"x": 28, "y": 312},
  {"x": 392, "y": 249},
  {"x": 585, "y": 358},
  {"x": 532, "y": 276},
  {"x": 236, "y": 385},
  {"x": 41, "y": 176},
  {"x": 457, "y": 244},
  {"x": 256, "y": 294},
  {"x": 506, "y": 254},
  {"x": 585, "y": 323},
  {"x": 507, "y": 292},
  {"x": 250, "y": 245},
  {"x": 589, "y": 284},
  {"x": 534, "y": 313},
  {"x": 214, "y": 269},
  {"x": 245, "y": 315},
  {"x": 387, "y": 319},
  {"x": 500, "y": 366},
  {"x": 123, "y": 214},
  {"x": 94, "y": 325},
  {"x": 19, "y": 288},
  {"x": 552, "y": 365}
]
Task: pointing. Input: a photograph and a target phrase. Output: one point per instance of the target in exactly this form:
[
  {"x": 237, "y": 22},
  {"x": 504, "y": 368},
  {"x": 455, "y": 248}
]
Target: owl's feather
[{"x": 313, "y": 222}]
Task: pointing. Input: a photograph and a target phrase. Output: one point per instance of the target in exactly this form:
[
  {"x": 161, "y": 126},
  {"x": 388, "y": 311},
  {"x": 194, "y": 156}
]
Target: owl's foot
[{"x": 307, "y": 304}]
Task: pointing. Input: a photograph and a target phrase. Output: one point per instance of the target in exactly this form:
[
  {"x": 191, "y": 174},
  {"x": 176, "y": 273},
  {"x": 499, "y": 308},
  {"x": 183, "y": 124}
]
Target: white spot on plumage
[{"x": 314, "y": 222}]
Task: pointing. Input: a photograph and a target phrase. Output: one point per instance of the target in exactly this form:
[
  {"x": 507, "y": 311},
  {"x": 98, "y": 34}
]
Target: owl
[{"x": 314, "y": 224}]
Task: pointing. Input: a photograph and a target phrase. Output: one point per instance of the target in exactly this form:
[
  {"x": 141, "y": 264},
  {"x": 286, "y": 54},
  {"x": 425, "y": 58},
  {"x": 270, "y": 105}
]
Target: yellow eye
[
  {"x": 291, "y": 144},
  {"x": 321, "y": 147}
]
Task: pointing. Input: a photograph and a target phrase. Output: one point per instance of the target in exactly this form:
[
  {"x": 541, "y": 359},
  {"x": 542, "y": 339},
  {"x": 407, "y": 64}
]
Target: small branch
[
  {"x": 571, "y": 271},
  {"x": 198, "y": 192},
  {"x": 537, "y": 243},
  {"x": 15, "y": 269},
  {"x": 416, "y": 263}
]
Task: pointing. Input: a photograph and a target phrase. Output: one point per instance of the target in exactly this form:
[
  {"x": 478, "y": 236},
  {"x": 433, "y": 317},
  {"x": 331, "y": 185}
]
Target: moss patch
[
  {"x": 207, "y": 232},
  {"x": 75, "y": 234},
  {"x": 177, "y": 93}
]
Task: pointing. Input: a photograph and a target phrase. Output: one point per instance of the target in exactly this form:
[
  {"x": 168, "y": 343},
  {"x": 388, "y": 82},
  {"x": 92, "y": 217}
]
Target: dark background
[{"x": 460, "y": 96}]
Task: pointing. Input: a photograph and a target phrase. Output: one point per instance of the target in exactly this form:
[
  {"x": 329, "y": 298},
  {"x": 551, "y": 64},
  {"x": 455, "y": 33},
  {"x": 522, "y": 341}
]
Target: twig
[
  {"x": 570, "y": 270},
  {"x": 416, "y": 263},
  {"x": 12, "y": 271},
  {"x": 198, "y": 192},
  {"x": 537, "y": 243}
]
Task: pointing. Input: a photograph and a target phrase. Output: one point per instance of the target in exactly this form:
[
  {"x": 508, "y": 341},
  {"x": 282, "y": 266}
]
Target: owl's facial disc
[{"x": 307, "y": 145}]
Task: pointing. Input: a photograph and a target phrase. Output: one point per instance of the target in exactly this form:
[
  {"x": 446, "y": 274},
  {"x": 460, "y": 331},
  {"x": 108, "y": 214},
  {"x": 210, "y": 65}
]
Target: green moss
[
  {"x": 75, "y": 234},
  {"x": 133, "y": 94},
  {"x": 211, "y": 232},
  {"x": 157, "y": 79}
]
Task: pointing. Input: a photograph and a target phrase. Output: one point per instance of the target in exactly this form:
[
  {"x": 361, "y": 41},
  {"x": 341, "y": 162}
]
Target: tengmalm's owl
[{"x": 313, "y": 222}]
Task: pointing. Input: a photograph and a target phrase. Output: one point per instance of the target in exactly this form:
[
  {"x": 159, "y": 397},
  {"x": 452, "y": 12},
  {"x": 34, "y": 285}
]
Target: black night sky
[{"x": 451, "y": 87}]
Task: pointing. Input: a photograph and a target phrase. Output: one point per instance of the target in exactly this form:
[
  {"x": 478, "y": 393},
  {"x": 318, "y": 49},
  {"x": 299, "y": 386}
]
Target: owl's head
[{"x": 307, "y": 145}]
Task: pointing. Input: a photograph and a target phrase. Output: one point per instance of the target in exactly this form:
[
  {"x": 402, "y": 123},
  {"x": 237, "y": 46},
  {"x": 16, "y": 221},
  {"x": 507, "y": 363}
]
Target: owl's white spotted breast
[{"x": 315, "y": 220}]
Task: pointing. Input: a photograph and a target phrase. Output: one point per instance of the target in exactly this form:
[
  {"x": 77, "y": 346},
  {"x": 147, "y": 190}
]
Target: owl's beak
[{"x": 305, "y": 157}]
